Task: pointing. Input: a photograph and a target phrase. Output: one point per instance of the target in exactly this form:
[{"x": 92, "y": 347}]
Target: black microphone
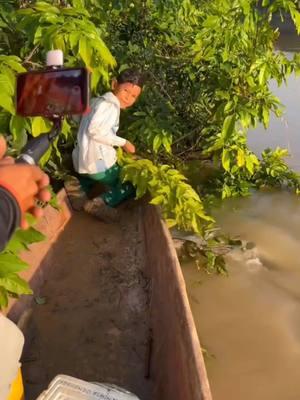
[
  {"x": 38, "y": 146},
  {"x": 34, "y": 150}
]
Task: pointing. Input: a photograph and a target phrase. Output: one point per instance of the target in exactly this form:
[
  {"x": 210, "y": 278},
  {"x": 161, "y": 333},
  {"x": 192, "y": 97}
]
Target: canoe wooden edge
[
  {"x": 176, "y": 364},
  {"x": 40, "y": 255}
]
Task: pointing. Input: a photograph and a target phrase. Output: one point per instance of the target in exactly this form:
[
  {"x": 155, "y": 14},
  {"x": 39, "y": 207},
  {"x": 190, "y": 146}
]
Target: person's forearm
[{"x": 10, "y": 216}]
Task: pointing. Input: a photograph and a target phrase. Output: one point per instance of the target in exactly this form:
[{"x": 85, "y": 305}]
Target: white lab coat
[{"x": 97, "y": 136}]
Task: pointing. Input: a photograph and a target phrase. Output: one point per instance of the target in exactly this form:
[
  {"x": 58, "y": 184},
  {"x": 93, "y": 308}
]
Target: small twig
[
  {"x": 187, "y": 150},
  {"x": 34, "y": 64},
  {"x": 31, "y": 54},
  {"x": 184, "y": 136}
]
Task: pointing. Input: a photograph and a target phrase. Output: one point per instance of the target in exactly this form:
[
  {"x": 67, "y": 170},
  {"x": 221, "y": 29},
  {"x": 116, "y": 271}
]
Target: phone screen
[{"x": 53, "y": 92}]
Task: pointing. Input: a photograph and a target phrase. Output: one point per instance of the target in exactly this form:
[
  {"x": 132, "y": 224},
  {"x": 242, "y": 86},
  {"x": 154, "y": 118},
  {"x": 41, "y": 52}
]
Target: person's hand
[
  {"x": 129, "y": 147},
  {"x": 4, "y": 160},
  {"x": 29, "y": 183}
]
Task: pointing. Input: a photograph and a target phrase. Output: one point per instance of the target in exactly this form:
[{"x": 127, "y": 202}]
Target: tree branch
[{"x": 31, "y": 54}]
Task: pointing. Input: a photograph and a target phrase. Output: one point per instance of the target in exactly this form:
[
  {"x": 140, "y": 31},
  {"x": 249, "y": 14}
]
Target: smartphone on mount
[{"x": 53, "y": 92}]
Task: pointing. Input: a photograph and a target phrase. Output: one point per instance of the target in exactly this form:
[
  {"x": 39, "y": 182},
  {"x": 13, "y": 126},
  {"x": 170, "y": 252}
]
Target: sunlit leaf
[
  {"x": 11, "y": 263},
  {"x": 40, "y": 125},
  {"x": 228, "y": 127},
  {"x": 14, "y": 284},
  {"x": 226, "y": 160}
]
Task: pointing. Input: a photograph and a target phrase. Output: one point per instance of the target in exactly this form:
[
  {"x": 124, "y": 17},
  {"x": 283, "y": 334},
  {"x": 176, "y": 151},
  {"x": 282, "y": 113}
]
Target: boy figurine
[{"x": 94, "y": 157}]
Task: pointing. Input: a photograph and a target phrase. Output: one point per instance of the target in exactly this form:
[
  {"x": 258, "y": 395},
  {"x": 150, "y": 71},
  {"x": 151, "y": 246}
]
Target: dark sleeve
[{"x": 10, "y": 216}]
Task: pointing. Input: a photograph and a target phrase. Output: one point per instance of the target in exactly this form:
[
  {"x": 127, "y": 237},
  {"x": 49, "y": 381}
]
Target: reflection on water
[
  {"x": 284, "y": 131},
  {"x": 249, "y": 323}
]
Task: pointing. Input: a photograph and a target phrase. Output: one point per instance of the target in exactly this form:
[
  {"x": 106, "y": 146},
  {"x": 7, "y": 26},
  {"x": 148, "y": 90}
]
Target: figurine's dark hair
[{"x": 132, "y": 75}]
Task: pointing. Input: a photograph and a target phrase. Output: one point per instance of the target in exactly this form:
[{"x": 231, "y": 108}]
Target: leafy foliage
[
  {"x": 209, "y": 64},
  {"x": 39, "y": 27},
  {"x": 179, "y": 203},
  {"x": 28, "y": 31},
  {"x": 10, "y": 265},
  {"x": 70, "y": 30},
  {"x": 275, "y": 173}
]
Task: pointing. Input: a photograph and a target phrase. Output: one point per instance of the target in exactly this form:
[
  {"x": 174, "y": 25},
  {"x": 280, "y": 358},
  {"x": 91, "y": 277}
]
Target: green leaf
[
  {"x": 249, "y": 165},
  {"x": 245, "y": 119},
  {"x": 195, "y": 225},
  {"x": 266, "y": 117},
  {"x": 40, "y": 125},
  {"x": 228, "y": 127},
  {"x": 6, "y": 85},
  {"x": 14, "y": 284},
  {"x": 158, "y": 200},
  {"x": 226, "y": 192},
  {"x": 246, "y": 6},
  {"x": 56, "y": 150},
  {"x": 157, "y": 143},
  {"x": 74, "y": 39},
  {"x": 104, "y": 52},
  {"x": 78, "y": 4},
  {"x": 296, "y": 18},
  {"x": 6, "y": 102},
  {"x": 45, "y": 7},
  {"x": 166, "y": 141},
  {"x": 3, "y": 298},
  {"x": 54, "y": 200},
  {"x": 14, "y": 63},
  {"x": 11, "y": 263},
  {"x": 66, "y": 128},
  {"x": 85, "y": 51},
  {"x": 240, "y": 158},
  {"x": 250, "y": 81},
  {"x": 211, "y": 21},
  {"x": 15, "y": 246},
  {"x": 262, "y": 75},
  {"x": 75, "y": 12},
  {"x": 46, "y": 157},
  {"x": 38, "y": 36},
  {"x": 29, "y": 236},
  {"x": 254, "y": 159},
  {"x": 96, "y": 75},
  {"x": 59, "y": 43},
  {"x": 171, "y": 222},
  {"x": 226, "y": 160},
  {"x": 30, "y": 219},
  {"x": 17, "y": 128},
  {"x": 140, "y": 114},
  {"x": 229, "y": 106}
]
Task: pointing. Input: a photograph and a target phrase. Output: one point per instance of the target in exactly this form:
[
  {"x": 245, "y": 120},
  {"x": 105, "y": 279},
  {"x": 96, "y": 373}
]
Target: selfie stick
[{"x": 37, "y": 147}]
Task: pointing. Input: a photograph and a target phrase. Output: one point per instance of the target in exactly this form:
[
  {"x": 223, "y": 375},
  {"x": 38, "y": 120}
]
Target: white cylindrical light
[{"x": 55, "y": 58}]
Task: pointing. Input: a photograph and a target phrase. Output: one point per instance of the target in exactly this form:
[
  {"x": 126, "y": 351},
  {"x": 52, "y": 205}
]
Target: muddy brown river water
[{"x": 249, "y": 322}]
